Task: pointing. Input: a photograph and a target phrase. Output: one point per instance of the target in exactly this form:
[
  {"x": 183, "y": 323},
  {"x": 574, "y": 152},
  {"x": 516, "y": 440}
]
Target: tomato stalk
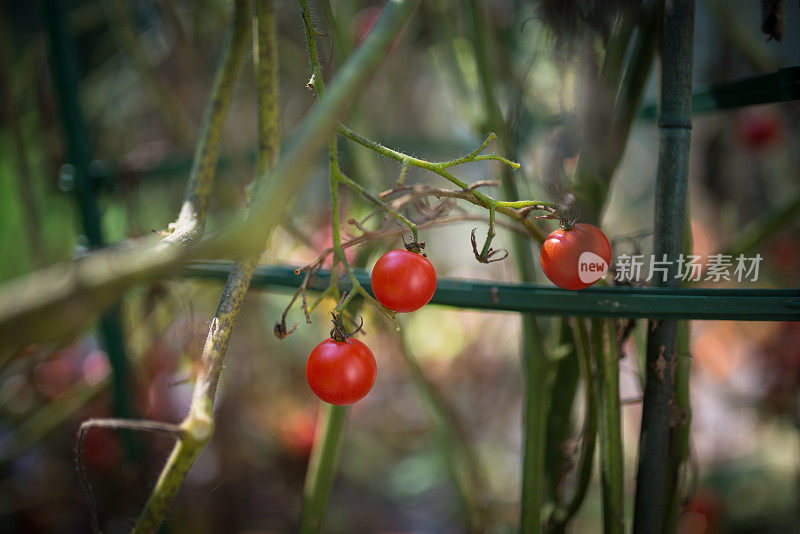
[
  {"x": 322, "y": 466},
  {"x": 517, "y": 210},
  {"x": 198, "y": 426},
  {"x": 539, "y": 369},
  {"x": 604, "y": 347},
  {"x": 562, "y": 514},
  {"x": 333, "y": 419}
]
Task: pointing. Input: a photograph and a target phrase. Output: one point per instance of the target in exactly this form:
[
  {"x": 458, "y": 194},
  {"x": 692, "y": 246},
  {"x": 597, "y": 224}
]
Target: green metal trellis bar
[
  {"x": 656, "y": 303},
  {"x": 782, "y": 85}
]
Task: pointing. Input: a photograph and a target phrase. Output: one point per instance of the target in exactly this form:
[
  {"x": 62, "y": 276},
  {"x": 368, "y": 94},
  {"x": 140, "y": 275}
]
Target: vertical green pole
[
  {"x": 671, "y": 189},
  {"x": 79, "y": 155}
]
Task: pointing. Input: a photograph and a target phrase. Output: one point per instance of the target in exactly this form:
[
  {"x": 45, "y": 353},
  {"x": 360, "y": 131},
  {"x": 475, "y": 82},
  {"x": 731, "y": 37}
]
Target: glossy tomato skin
[
  {"x": 562, "y": 250},
  {"x": 341, "y": 372},
  {"x": 403, "y": 281}
]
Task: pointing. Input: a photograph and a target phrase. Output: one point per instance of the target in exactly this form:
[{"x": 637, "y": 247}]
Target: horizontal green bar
[
  {"x": 782, "y": 85},
  {"x": 654, "y": 303}
]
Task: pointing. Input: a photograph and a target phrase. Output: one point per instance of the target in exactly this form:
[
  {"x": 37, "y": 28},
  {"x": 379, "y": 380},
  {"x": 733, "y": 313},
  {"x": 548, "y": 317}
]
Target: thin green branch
[
  {"x": 586, "y": 460},
  {"x": 680, "y": 444},
  {"x": 403, "y": 170},
  {"x": 333, "y": 419},
  {"x": 69, "y": 294},
  {"x": 191, "y": 220},
  {"x": 460, "y": 457},
  {"x": 604, "y": 347},
  {"x": 564, "y": 514},
  {"x": 679, "y": 485},
  {"x": 346, "y": 180},
  {"x": 198, "y": 426},
  {"x": 475, "y": 155},
  {"x": 602, "y": 150},
  {"x": 505, "y": 207},
  {"x": 335, "y": 176},
  {"x": 490, "y": 235}
]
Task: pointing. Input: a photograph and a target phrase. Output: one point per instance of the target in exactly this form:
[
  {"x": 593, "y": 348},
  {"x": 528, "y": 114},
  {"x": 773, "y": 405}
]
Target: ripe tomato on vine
[
  {"x": 341, "y": 370},
  {"x": 577, "y": 257},
  {"x": 403, "y": 281}
]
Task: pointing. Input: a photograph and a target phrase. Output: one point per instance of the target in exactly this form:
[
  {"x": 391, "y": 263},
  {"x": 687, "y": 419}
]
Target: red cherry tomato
[
  {"x": 297, "y": 432},
  {"x": 758, "y": 129},
  {"x": 576, "y": 258},
  {"x": 403, "y": 281},
  {"x": 341, "y": 372}
]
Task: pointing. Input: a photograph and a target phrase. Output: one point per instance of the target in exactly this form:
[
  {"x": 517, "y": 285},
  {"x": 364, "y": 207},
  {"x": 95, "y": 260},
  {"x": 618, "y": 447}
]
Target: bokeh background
[{"x": 424, "y": 100}]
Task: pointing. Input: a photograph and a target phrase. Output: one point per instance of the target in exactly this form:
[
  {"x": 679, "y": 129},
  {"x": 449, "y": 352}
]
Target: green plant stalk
[
  {"x": 539, "y": 376},
  {"x": 335, "y": 175},
  {"x": 191, "y": 220},
  {"x": 68, "y": 294},
  {"x": 563, "y": 515},
  {"x": 459, "y": 457},
  {"x": 611, "y": 458},
  {"x": 198, "y": 427},
  {"x": 344, "y": 179},
  {"x": 539, "y": 369},
  {"x": 167, "y": 107},
  {"x": 671, "y": 189},
  {"x": 559, "y": 423},
  {"x": 617, "y": 48},
  {"x": 333, "y": 419},
  {"x": 600, "y": 157},
  {"x": 322, "y": 466}
]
